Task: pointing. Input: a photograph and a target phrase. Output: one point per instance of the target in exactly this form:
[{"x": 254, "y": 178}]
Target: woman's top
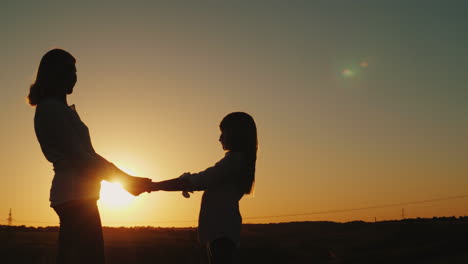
[
  {"x": 66, "y": 143},
  {"x": 219, "y": 212}
]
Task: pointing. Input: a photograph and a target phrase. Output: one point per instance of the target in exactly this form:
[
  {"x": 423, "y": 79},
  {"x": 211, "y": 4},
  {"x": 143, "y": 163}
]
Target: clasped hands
[{"x": 138, "y": 185}]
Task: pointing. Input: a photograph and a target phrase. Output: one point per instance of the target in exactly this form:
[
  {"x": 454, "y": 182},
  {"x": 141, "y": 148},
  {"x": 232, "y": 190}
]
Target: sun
[{"x": 113, "y": 195}]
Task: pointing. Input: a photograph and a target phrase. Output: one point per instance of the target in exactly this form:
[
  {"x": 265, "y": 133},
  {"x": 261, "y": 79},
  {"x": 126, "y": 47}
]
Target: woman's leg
[
  {"x": 221, "y": 251},
  {"x": 65, "y": 240},
  {"x": 80, "y": 235}
]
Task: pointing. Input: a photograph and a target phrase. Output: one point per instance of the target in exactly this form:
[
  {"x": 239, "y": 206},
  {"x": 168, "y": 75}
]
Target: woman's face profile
[{"x": 69, "y": 77}]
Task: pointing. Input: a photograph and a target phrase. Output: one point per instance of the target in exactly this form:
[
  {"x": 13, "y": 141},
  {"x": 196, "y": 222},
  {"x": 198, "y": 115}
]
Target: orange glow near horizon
[{"x": 347, "y": 117}]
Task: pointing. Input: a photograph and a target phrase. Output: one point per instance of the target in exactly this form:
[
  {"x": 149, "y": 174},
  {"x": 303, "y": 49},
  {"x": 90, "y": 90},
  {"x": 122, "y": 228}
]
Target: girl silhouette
[
  {"x": 225, "y": 183},
  {"x": 65, "y": 142}
]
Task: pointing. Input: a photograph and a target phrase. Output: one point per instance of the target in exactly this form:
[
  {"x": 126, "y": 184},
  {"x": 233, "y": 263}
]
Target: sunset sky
[{"x": 357, "y": 103}]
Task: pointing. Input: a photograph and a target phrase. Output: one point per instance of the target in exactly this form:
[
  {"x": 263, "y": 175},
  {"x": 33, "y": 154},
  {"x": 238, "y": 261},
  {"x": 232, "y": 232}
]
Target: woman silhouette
[{"x": 65, "y": 142}]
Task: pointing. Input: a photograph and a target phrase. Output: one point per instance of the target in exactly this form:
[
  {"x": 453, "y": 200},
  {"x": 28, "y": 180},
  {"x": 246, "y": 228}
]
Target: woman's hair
[
  {"x": 49, "y": 74},
  {"x": 240, "y": 134}
]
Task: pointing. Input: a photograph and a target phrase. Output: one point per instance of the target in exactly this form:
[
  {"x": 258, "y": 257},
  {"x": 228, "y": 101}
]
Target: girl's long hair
[
  {"x": 49, "y": 75},
  {"x": 241, "y": 132}
]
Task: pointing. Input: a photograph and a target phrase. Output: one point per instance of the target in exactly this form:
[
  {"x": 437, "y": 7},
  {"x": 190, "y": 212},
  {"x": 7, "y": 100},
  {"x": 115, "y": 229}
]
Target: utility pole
[
  {"x": 10, "y": 218},
  {"x": 403, "y": 213}
]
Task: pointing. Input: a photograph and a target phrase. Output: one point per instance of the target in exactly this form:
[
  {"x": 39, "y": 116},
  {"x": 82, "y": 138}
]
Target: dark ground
[{"x": 429, "y": 241}]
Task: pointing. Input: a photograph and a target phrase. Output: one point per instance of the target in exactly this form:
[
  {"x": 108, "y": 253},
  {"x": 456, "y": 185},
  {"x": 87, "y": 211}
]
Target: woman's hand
[{"x": 136, "y": 185}]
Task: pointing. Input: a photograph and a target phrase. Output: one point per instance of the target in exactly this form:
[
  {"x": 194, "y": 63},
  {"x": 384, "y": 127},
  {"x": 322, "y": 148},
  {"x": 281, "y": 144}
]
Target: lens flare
[{"x": 347, "y": 73}]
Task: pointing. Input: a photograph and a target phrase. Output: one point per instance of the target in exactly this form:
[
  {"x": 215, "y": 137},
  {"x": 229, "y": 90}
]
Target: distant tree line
[{"x": 23, "y": 228}]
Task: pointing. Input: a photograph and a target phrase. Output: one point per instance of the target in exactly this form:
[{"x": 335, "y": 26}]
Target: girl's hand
[
  {"x": 154, "y": 186},
  {"x": 186, "y": 194}
]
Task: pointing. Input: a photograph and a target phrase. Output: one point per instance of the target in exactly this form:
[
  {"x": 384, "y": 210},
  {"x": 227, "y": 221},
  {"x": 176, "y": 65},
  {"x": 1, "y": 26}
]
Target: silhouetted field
[{"x": 437, "y": 240}]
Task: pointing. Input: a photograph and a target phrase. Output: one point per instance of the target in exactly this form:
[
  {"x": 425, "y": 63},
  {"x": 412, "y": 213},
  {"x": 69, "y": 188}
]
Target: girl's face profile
[{"x": 223, "y": 140}]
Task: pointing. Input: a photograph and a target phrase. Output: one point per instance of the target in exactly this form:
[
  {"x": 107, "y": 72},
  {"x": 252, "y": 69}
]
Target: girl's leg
[
  {"x": 221, "y": 251},
  {"x": 80, "y": 235}
]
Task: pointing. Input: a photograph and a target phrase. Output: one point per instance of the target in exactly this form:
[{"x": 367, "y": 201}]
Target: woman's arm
[
  {"x": 113, "y": 173},
  {"x": 133, "y": 184},
  {"x": 53, "y": 128}
]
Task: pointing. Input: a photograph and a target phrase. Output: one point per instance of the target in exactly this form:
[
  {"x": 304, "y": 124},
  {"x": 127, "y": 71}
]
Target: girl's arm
[
  {"x": 176, "y": 184},
  {"x": 222, "y": 172}
]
